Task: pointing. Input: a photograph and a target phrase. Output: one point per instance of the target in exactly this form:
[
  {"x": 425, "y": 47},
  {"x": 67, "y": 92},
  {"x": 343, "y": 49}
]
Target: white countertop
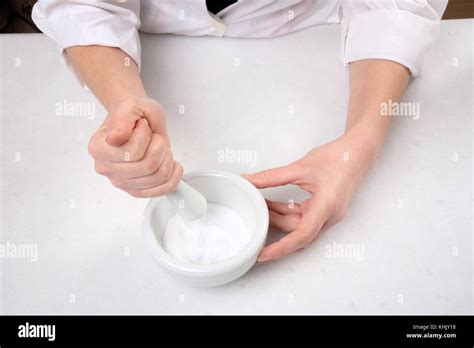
[{"x": 412, "y": 214}]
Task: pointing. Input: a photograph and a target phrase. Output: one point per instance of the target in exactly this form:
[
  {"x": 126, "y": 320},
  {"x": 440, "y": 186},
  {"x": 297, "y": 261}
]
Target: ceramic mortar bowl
[{"x": 222, "y": 188}]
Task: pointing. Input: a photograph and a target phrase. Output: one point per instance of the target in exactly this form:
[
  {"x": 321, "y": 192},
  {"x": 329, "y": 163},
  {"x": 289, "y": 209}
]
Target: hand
[
  {"x": 331, "y": 173},
  {"x": 132, "y": 149}
]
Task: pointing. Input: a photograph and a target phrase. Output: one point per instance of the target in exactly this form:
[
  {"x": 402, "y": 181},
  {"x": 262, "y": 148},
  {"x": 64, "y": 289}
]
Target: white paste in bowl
[{"x": 218, "y": 235}]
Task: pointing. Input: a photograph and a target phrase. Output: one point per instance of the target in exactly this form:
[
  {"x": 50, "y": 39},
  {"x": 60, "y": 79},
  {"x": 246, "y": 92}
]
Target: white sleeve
[
  {"x": 90, "y": 22},
  {"x": 397, "y": 30}
]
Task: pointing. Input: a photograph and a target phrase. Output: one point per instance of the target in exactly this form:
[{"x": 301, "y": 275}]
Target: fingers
[
  {"x": 120, "y": 127},
  {"x": 162, "y": 189},
  {"x": 155, "y": 116},
  {"x": 291, "y": 242},
  {"x": 275, "y": 176},
  {"x": 311, "y": 222},
  {"x": 123, "y": 116},
  {"x": 161, "y": 176},
  {"x": 133, "y": 150},
  {"x": 154, "y": 156},
  {"x": 285, "y": 223},
  {"x": 283, "y": 208},
  {"x": 283, "y": 216}
]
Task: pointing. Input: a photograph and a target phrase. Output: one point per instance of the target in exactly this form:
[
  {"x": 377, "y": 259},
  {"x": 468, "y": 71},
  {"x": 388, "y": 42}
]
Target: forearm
[
  {"x": 373, "y": 82},
  {"x": 108, "y": 71}
]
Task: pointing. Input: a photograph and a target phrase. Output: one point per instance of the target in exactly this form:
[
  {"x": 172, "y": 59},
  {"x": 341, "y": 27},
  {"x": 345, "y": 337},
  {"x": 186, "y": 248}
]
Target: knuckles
[
  {"x": 169, "y": 186},
  {"x": 152, "y": 162},
  {"x": 165, "y": 171},
  {"x": 101, "y": 169},
  {"x": 157, "y": 160},
  {"x": 118, "y": 184},
  {"x": 135, "y": 153},
  {"x": 135, "y": 193},
  {"x": 137, "y": 150},
  {"x": 91, "y": 147},
  {"x": 177, "y": 178},
  {"x": 150, "y": 166}
]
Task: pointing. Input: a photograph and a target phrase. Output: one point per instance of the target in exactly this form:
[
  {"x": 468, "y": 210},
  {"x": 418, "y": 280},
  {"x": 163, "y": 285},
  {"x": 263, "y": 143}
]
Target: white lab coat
[{"x": 396, "y": 30}]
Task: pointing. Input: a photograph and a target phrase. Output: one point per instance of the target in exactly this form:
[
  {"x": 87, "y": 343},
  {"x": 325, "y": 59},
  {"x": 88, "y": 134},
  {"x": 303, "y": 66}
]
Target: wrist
[
  {"x": 124, "y": 98},
  {"x": 364, "y": 144},
  {"x": 368, "y": 136}
]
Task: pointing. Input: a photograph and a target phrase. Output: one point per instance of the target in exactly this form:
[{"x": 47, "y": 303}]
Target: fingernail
[
  {"x": 263, "y": 258},
  {"x": 112, "y": 130}
]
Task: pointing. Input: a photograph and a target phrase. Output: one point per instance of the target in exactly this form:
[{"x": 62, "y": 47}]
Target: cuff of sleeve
[
  {"x": 395, "y": 35},
  {"x": 92, "y": 28}
]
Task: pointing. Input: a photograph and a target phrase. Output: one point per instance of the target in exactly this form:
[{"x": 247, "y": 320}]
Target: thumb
[
  {"x": 275, "y": 176},
  {"x": 119, "y": 131}
]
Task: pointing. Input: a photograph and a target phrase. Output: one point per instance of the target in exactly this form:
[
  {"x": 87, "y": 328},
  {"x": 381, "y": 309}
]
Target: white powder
[{"x": 218, "y": 235}]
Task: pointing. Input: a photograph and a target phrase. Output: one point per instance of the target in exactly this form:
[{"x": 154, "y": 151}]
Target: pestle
[{"x": 187, "y": 202}]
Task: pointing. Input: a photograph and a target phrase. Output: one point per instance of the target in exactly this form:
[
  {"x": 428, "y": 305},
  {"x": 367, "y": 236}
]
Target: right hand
[{"x": 132, "y": 149}]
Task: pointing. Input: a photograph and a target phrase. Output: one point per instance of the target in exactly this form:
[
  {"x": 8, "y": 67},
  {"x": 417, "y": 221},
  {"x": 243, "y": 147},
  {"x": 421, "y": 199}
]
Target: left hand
[{"x": 331, "y": 173}]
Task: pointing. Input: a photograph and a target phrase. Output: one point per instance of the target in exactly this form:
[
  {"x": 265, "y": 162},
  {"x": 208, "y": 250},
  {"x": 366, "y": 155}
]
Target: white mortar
[{"x": 218, "y": 187}]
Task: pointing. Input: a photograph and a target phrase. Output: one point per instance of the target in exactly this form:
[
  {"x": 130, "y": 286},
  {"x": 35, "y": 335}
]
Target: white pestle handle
[{"x": 188, "y": 203}]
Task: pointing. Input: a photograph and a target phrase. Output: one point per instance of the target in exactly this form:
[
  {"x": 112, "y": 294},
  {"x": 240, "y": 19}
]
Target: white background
[{"x": 412, "y": 214}]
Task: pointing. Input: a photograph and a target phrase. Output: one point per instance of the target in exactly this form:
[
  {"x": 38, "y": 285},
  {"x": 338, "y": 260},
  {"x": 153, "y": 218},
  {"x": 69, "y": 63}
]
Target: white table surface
[{"x": 412, "y": 214}]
